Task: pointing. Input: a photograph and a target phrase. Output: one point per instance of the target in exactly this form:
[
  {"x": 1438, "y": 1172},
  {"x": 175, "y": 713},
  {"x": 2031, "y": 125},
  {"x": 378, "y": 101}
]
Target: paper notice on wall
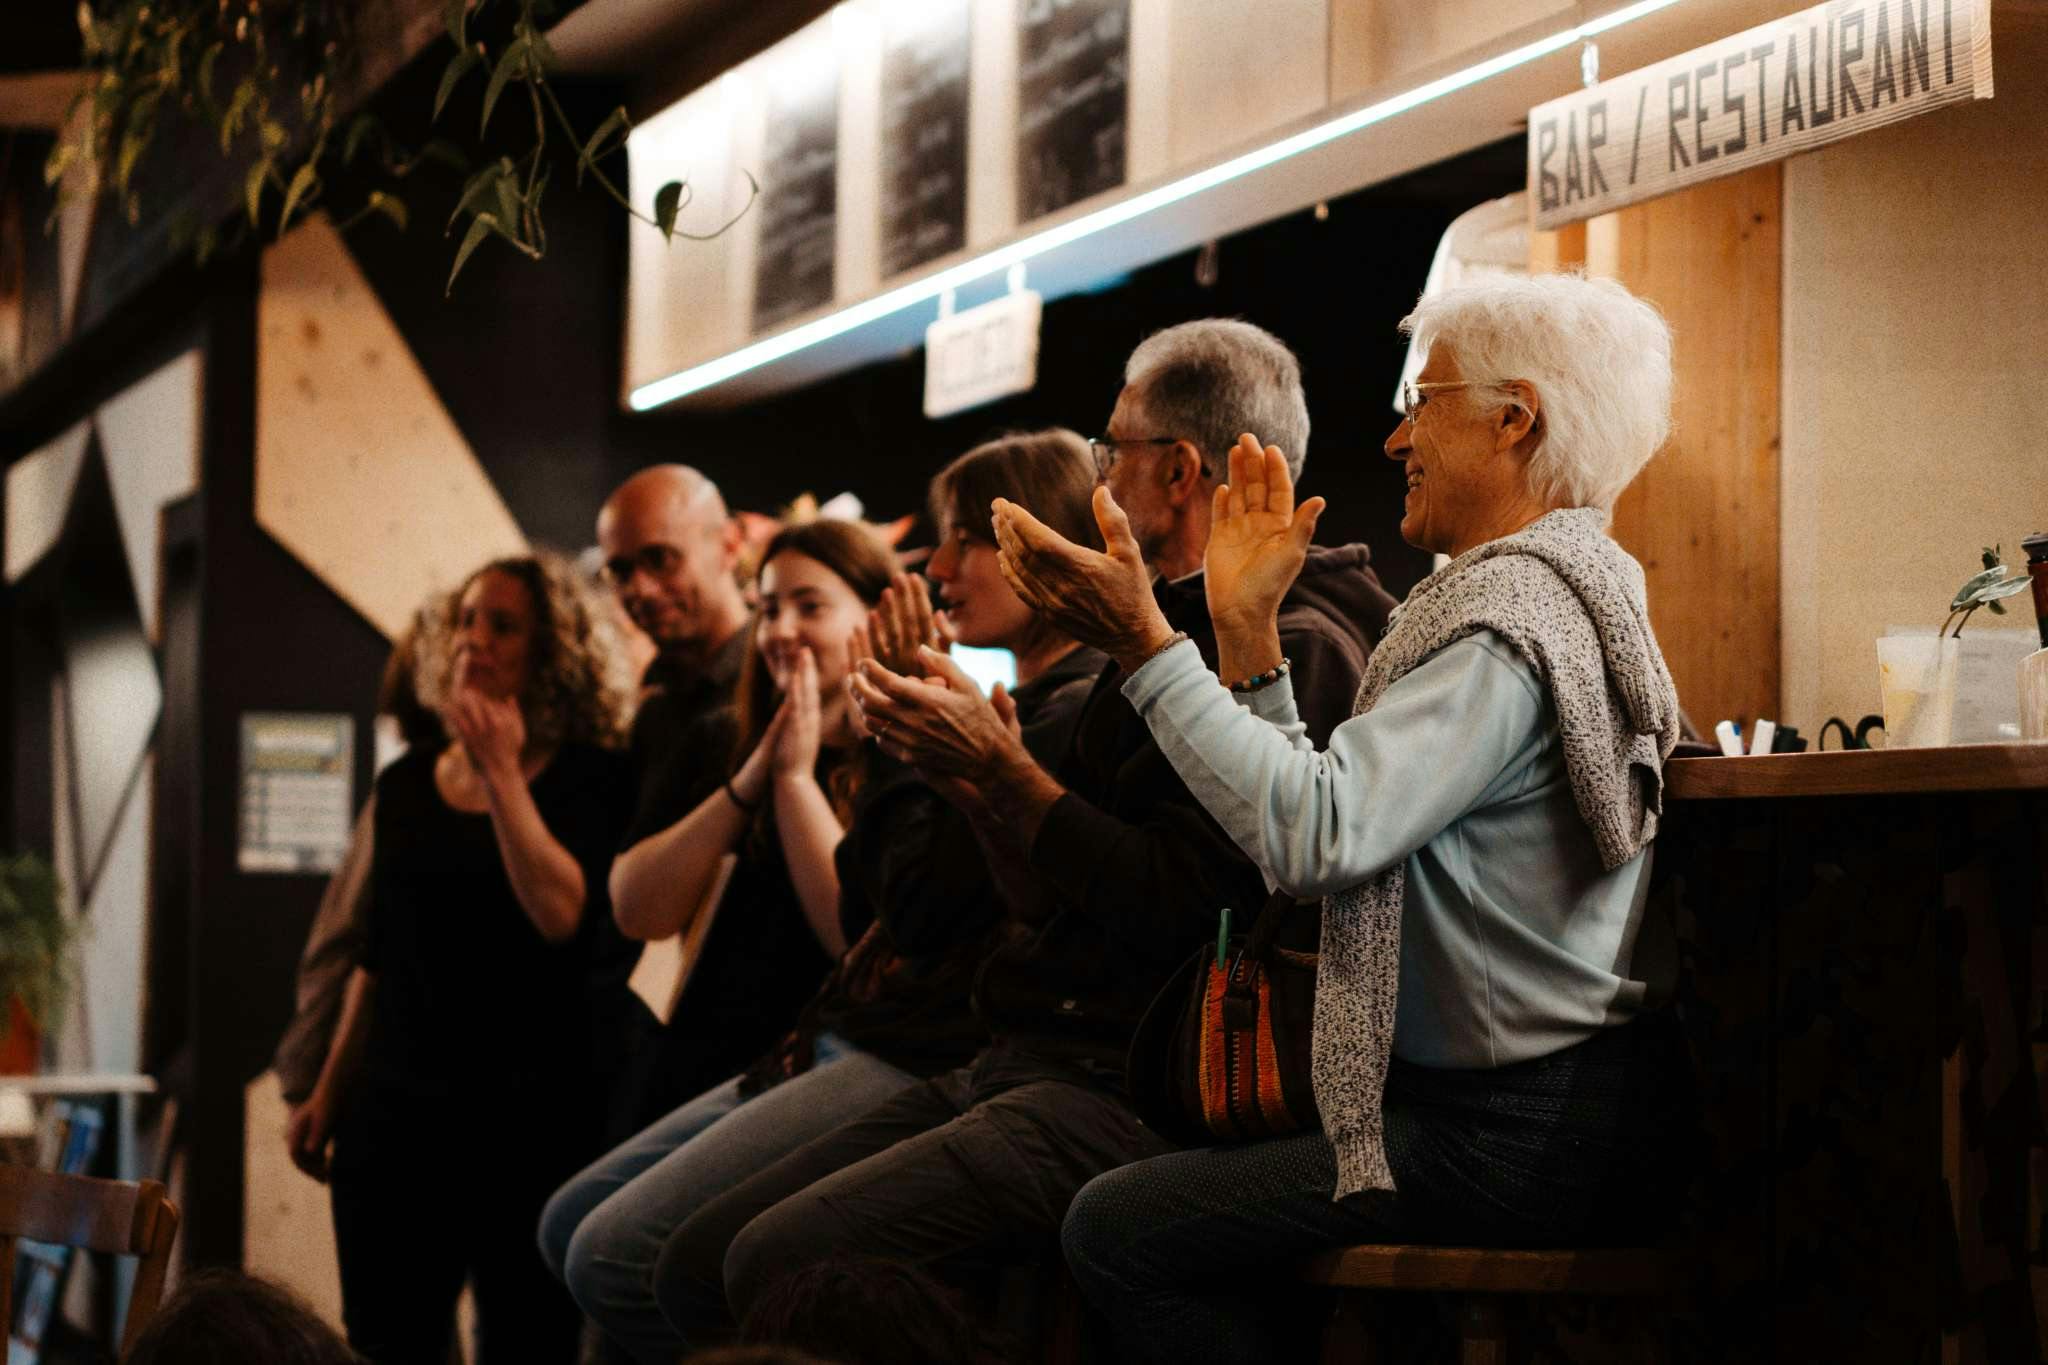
[{"x": 298, "y": 797}]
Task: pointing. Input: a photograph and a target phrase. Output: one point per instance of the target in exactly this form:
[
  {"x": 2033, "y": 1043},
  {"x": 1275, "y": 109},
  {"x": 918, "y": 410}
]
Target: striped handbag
[{"x": 1222, "y": 1054}]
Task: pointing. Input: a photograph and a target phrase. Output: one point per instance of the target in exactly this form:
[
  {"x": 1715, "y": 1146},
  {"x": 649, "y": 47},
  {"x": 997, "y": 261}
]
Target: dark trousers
[
  {"x": 973, "y": 1168},
  {"x": 1190, "y": 1255},
  {"x": 424, "y": 1200}
]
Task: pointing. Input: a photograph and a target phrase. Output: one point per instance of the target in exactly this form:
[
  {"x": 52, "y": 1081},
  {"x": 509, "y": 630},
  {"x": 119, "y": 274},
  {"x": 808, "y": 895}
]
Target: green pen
[{"x": 1222, "y": 937}]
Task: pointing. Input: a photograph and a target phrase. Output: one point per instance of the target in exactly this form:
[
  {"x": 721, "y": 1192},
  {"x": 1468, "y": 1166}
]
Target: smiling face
[
  {"x": 495, "y": 626},
  {"x": 977, "y": 599},
  {"x": 803, "y": 603},
  {"x": 1467, "y": 477}
]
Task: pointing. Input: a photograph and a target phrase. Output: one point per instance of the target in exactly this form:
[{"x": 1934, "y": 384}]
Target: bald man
[{"x": 670, "y": 552}]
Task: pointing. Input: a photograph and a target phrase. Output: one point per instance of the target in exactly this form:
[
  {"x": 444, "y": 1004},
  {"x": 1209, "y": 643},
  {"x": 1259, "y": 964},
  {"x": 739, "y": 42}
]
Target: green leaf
[
  {"x": 509, "y": 66},
  {"x": 1972, "y": 584},
  {"x": 1991, "y": 556},
  {"x": 458, "y": 66},
  {"x": 667, "y": 200},
  {"x": 390, "y": 206},
  {"x": 360, "y": 128},
  {"x": 473, "y": 191},
  {"x": 252, "y": 189},
  {"x": 594, "y": 149},
  {"x": 205, "y": 79},
  {"x": 455, "y": 17},
  {"x": 132, "y": 147},
  {"x": 1996, "y": 609},
  {"x": 479, "y": 229},
  {"x": 1998, "y": 591},
  {"x": 446, "y": 153},
  {"x": 304, "y": 181}
]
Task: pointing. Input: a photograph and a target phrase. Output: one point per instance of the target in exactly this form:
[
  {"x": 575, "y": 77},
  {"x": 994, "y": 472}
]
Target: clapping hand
[
  {"x": 491, "y": 731},
  {"x": 1258, "y": 538},
  {"x": 902, "y": 623},
  {"x": 1104, "y": 600},
  {"x": 798, "y": 729},
  {"x": 939, "y": 723}
]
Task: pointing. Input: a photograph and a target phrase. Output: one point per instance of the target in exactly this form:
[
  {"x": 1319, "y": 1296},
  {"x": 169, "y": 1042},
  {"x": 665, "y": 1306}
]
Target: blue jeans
[{"x": 602, "y": 1232}]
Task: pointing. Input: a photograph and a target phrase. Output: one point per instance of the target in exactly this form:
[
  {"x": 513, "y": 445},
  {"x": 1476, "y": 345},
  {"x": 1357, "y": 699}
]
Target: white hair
[
  {"x": 1210, "y": 381},
  {"x": 1598, "y": 357}
]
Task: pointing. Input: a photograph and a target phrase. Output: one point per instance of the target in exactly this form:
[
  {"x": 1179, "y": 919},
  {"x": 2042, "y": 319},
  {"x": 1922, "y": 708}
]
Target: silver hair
[
  {"x": 1212, "y": 380},
  {"x": 1598, "y": 357}
]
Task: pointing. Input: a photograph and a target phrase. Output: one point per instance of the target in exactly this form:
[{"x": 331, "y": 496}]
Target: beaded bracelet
[
  {"x": 1178, "y": 637},
  {"x": 1266, "y": 679}
]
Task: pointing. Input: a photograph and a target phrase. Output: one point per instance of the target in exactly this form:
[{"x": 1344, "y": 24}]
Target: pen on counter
[{"x": 1729, "y": 736}]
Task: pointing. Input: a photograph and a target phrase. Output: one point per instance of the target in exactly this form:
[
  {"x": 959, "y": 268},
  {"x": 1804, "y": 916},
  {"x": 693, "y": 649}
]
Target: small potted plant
[
  {"x": 35, "y": 959},
  {"x": 1917, "y": 674}
]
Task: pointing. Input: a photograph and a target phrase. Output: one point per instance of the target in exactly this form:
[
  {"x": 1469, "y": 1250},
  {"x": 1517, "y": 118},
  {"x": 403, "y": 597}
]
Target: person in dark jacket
[
  {"x": 1111, "y": 870},
  {"x": 916, "y": 904},
  {"x": 671, "y": 555},
  {"x": 458, "y": 1092}
]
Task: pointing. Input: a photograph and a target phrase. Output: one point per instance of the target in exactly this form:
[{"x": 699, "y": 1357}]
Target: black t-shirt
[
  {"x": 673, "y": 699},
  {"x": 760, "y": 961},
  {"x": 472, "y": 1004}
]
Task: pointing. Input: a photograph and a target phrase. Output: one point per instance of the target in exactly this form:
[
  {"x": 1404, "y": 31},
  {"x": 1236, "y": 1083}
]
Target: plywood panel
[
  {"x": 1916, "y": 326},
  {"x": 115, "y": 944},
  {"x": 1703, "y": 517},
  {"x": 1219, "y": 99},
  {"x": 1373, "y": 42},
  {"x": 39, "y": 488},
  {"x": 360, "y": 471},
  {"x": 149, "y": 436}
]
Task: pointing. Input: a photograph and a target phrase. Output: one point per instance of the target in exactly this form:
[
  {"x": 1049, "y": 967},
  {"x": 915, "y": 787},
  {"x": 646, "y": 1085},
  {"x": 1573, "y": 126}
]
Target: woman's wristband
[
  {"x": 1178, "y": 637},
  {"x": 732, "y": 794},
  {"x": 1266, "y": 679}
]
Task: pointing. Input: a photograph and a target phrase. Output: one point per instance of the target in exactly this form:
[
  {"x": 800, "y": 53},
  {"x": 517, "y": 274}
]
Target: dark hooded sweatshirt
[{"x": 1134, "y": 872}]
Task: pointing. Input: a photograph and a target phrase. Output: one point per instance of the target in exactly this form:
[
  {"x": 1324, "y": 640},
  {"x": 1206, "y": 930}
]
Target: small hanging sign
[
  {"x": 1784, "y": 87},
  {"x": 982, "y": 354}
]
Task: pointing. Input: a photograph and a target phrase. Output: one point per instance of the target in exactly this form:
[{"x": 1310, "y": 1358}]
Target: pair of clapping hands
[{"x": 928, "y": 713}]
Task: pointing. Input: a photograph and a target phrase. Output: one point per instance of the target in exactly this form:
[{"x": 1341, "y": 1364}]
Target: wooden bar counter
[{"x": 1863, "y": 945}]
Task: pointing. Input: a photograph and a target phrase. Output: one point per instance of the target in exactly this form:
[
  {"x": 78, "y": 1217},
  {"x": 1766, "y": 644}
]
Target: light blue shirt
[{"x": 1515, "y": 942}]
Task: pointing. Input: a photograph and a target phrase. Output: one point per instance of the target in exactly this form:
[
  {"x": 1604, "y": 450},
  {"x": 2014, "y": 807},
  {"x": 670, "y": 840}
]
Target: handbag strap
[{"x": 1258, "y": 946}]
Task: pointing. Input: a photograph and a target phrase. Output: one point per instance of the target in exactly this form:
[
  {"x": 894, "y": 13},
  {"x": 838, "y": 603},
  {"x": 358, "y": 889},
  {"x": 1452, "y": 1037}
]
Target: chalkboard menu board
[
  {"x": 799, "y": 196},
  {"x": 924, "y": 133},
  {"x": 1073, "y": 105}
]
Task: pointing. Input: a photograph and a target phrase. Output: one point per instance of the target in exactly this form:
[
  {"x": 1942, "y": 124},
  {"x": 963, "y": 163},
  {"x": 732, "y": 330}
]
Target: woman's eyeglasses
[{"x": 1414, "y": 396}]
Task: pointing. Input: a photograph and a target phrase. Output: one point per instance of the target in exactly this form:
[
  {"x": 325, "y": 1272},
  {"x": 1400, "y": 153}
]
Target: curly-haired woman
[{"x": 458, "y": 1091}]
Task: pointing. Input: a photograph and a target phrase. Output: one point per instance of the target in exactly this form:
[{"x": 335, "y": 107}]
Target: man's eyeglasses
[
  {"x": 656, "y": 559},
  {"x": 1414, "y": 396},
  {"x": 1104, "y": 448}
]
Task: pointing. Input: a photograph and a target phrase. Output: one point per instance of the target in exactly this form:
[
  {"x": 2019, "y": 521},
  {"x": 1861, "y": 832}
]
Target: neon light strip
[{"x": 699, "y": 377}]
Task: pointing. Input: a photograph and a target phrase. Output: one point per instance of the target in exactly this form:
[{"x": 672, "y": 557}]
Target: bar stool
[{"x": 1483, "y": 1279}]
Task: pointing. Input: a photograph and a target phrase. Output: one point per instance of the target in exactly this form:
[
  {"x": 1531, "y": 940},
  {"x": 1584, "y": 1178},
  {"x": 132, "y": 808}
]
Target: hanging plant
[
  {"x": 1986, "y": 589},
  {"x": 265, "y": 80}
]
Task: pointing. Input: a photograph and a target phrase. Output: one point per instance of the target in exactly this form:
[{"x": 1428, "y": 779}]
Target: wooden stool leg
[{"x": 1482, "y": 1331}]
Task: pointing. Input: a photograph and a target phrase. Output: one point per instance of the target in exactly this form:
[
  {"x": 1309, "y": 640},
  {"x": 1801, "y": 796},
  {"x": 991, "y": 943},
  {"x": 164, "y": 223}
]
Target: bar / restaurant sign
[{"x": 1784, "y": 87}]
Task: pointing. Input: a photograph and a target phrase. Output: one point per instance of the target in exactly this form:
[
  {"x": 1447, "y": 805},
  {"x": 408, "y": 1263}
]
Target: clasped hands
[{"x": 918, "y": 705}]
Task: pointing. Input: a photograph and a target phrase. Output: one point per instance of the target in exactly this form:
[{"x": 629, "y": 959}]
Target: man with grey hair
[
  {"x": 1189, "y": 393},
  {"x": 1112, "y": 872}
]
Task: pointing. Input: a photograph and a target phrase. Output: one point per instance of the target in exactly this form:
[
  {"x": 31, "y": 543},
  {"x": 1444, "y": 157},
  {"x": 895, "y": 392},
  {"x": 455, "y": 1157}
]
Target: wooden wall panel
[
  {"x": 1373, "y": 42},
  {"x": 360, "y": 471},
  {"x": 1219, "y": 99},
  {"x": 1704, "y": 516}
]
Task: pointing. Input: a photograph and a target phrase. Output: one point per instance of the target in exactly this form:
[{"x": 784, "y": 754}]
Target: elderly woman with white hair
[{"x": 1486, "y": 1062}]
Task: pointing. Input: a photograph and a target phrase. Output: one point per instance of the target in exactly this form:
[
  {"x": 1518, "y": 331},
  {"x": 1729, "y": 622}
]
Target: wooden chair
[
  {"x": 125, "y": 1218},
  {"x": 1483, "y": 1280}
]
